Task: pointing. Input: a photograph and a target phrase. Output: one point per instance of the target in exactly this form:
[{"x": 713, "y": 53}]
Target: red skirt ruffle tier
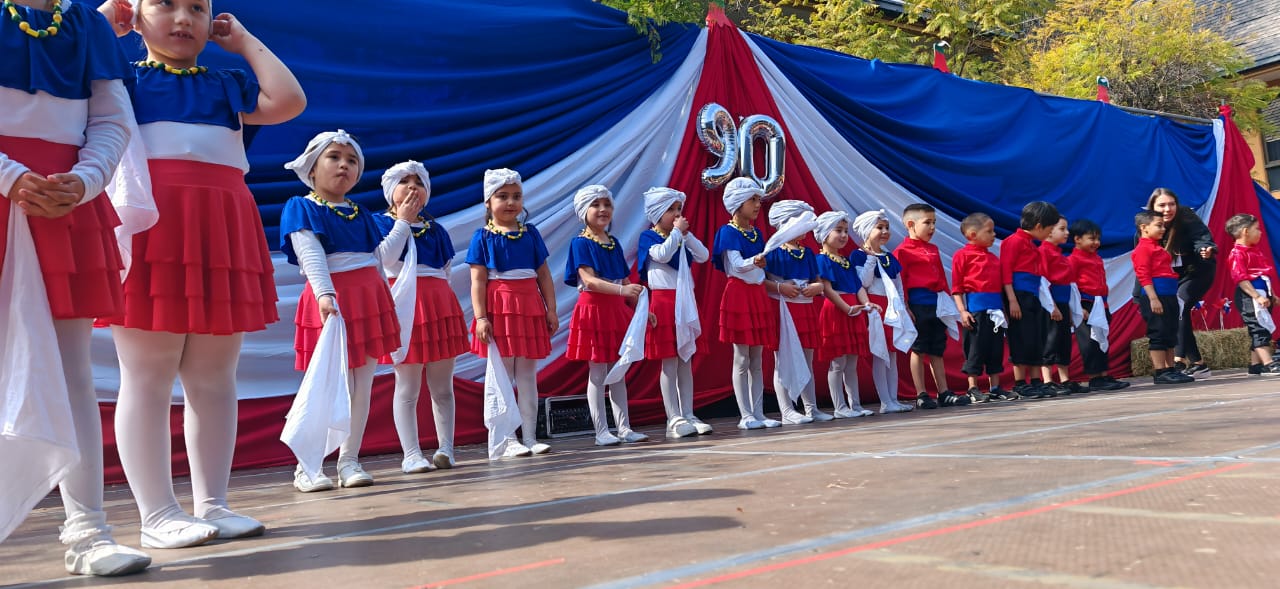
[
  {"x": 805, "y": 316},
  {"x": 439, "y": 331},
  {"x": 841, "y": 334},
  {"x": 367, "y": 311},
  {"x": 747, "y": 315},
  {"x": 598, "y": 327},
  {"x": 205, "y": 266},
  {"x": 78, "y": 254},
  {"x": 660, "y": 339},
  {"x": 519, "y": 319}
]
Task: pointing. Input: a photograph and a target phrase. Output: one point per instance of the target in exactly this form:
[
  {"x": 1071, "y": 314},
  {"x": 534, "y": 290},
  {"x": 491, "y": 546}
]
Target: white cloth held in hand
[
  {"x": 405, "y": 295},
  {"x": 501, "y": 414},
  {"x": 1265, "y": 320},
  {"x": 1099, "y": 328},
  {"x": 320, "y": 419},
  {"x": 895, "y": 315},
  {"x": 37, "y": 433},
  {"x": 791, "y": 365},
  {"x": 632, "y": 349},
  {"x": 688, "y": 326},
  {"x": 949, "y": 314},
  {"x": 875, "y": 336},
  {"x": 998, "y": 319},
  {"x": 1045, "y": 296},
  {"x": 1077, "y": 308}
]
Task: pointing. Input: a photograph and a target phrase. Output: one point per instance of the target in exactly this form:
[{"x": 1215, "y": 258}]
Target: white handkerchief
[
  {"x": 632, "y": 349},
  {"x": 405, "y": 294},
  {"x": 792, "y": 368},
  {"x": 501, "y": 414},
  {"x": 320, "y": 419},
  {"x": 949, "y": 314}
]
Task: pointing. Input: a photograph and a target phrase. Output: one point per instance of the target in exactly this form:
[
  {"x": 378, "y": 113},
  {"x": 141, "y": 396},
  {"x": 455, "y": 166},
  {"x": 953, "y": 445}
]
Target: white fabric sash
[
  {"x": 37, "y": 433},
  {"x": 632, "y": 349},
  {"x": 1099, "y": 328},
  {"x": 1046, "y": 296},
  {"x": 895, "y": 315},
  {"x": 517, "y": 274},
  {"x": 949, "y": 314},
  {"x": 501, "y": 414},
  {"x": 875, "y": 336},
  {"x": 1265, "y": 320},
  {"x": 1077, "y": 309},
  {"x": 129, "y": 189},
  {"x": 320, "y": 419},
  {"x": 405, "y": 294},
  {"x": 688, "y": 326}
]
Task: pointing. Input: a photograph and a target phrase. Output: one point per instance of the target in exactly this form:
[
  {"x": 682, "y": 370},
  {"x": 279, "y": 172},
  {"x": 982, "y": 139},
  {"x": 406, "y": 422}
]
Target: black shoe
[
  {"x": 1180, "y": 366},
  {"x": 1116, "y": 384},
  {"x": 924, "y": 401},
  {"x": 1075, "y": 387},
  {"x": 1099, "y": 384},
  {"x": 1171, "y": 376},
  {"x": 1059, "y": 388},
  {"x": 1272, "y": 369},
  {"x": 1040, "y": 390},
  {"x": 999, "y": 394},
  {"x": 1255, "y": 369},
  {"x": 948, "y": 398},
  {"x": 1198, "y": 371},
  {"x": 976, "y": 395}
]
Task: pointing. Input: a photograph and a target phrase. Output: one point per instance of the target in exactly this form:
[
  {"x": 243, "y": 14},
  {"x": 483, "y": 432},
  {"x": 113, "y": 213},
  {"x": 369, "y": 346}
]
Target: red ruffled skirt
[
  {"x": 519, "y": 318},
  {"x": 747, "y": 315},
  {"x": 598, "y": 327},
  {"x": 78, "y": 254},
  {"x": 660, "y": 339},
  {"x": 841, "y": 334},
  {"x": 805, "y": 316},
  {"x": 205, "y": 266},
  {"x": 439, "y": 331},
  {"x": 364, "y": 300}
]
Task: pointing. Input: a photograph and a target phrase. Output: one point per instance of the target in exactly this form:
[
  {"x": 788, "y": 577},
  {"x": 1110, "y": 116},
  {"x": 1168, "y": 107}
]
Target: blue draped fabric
[
  {"x": 459, "y": 86},
  {"x": 966, "y": 146},
  {"x": 1270, "y": 216}
]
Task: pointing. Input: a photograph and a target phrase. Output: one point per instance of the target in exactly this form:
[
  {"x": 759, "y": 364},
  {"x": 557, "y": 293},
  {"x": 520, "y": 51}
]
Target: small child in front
[
  {"x": 1251, "y": 274},
  {"x": 1022, "y": 268},
  {"x": 1057, "y": 347},
  {"x": 975, "y": 277},
  {"x": 1157, "y": 281},
  {"x": 1091, "y": 277},
  {"x": 923, "y": 279}
]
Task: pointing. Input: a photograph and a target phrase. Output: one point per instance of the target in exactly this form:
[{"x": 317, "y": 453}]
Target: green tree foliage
[{"x": 647, "y": 15}]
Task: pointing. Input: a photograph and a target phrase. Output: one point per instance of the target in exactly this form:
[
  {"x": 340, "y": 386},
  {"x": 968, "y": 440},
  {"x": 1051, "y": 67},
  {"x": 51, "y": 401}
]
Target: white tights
[
  {"x": 405, "y": 406},
  {"x": 524, "y": 373},
  {"x": 748, "y": 380},
  {"x": 360, "y": 387},
  {"x": 885, "y": 375},
  {"x": 677, "y": 388},
  {"x": 596, "y": 371},
  {"x": 150, "y": 361},
  {"x": 842, "y": 379},
  {"x": 807, "y": 394},
  {"x": 81, "y": 490}
]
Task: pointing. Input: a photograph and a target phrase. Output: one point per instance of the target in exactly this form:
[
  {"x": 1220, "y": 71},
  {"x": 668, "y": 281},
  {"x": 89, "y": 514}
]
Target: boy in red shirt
[
  {"x": 1251, "y": 273},
  {"x": 923, "y": 278},
  {"x": 975, "y": 276},
  {"x": 1057, "y": 348},
  {"x": 1022, "y": 267},
  {"x": 1157, "y": 296},
  {"x": 1091, "y": 277}
]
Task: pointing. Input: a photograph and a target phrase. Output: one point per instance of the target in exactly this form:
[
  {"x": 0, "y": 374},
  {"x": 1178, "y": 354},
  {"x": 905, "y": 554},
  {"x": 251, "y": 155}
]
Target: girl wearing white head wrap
[
  {"x": 844, "y": 322},
  {"x": 598, "y": 268},
  {"x": 794, "y": 269},
  {"x": 340, "y": 249},
  {"x": 879, "y": 276},
  {"x": 437, "y": 331},
  {"x": 514, "y": 301},
  {"x": 202, "y": 243},
  {"x": 748, "y": 319},
  {"x": 665, "y": 254}
]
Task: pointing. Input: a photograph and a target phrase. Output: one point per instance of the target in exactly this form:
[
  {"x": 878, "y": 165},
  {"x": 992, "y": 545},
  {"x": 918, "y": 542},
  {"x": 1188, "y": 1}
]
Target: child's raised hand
[
  {"x": 759, "y": 261},
  {"x": 682, "y": 224},
  {"x": 120, "y": 14},
  {"x": 553, "y": 321},
  {"x": 813, "y": 289},
  {"x": 228, "y": 33},
  {"x": 409, "y": 208}
]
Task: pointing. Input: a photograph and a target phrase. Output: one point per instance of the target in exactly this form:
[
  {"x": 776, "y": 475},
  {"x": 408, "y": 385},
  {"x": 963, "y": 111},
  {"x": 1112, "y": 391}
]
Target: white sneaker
[
  {"x": 516, "y": 449},
  {"x": 896, "y": 407},
  {"x": 539, "y": 448},
  {"x": 351, "y": 475},
  {"x": 680, "y": 427},
  {"x": 415, "y": 464},
  {"x": 864, "y": 412},
  {"x": 703, "y": 429},
  {"x": 796, "y": 418},
  {"x": 607, "y": 439},
  {"x": 632, "y": 437},
  {"x": 770, "y": 422},
  {"x": 306, "y": 484},
  {"x": 233, "y": 525},
  {"x": 750, "y": 423},
  {"x": 100, "y": 556},
  {"x": 818, "y": 415},
  {"x": 182, "y": 531},
  {"x": 442, "y": 459},
  {"x": 845, "y": 413}
]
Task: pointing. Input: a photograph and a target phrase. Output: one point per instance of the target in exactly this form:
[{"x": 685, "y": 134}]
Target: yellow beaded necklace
[
  {"x": 587, "y": 233},
  {"x": 842, "y": 261},
  {"x": 160, "y": 65},
  {"x": 513, "y": 235},
  {"x": 751, "y": 237},
  {"x": 355, "y": 208},
  {"x": 416, "y": 233},
  {"x": 796, "y": 252},
  {"x": 25, "y": 26},
  {"x": 661, "y": 233}
]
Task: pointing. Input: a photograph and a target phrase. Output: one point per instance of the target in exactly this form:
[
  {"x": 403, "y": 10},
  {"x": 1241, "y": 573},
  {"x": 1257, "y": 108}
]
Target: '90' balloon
[
  {"x": 735, "y": 146},
  {"x": 720, "y": 135}
]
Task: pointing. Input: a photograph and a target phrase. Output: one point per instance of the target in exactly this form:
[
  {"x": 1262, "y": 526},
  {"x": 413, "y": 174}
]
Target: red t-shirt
[
  {"x": 1247, "y": 262},
  {"x": 1090, "y": 272},
  {"x": 1018, "y": 253},
  {"x": 921, "y": 265},
  {"x": 1057, "y": 268},
  {"x": 1151, "y": 261},
  {"x": 975, "y": 269}
]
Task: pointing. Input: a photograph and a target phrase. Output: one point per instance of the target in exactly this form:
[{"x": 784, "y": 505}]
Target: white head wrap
[
  {"x": 303, "y": 164},
  {"x": 658, "y": 200},
  {"x": 865, "y": 223},
  {"x": 786, "y": 209},
  {"x": 738, "y": 191},
  {"x": 827, "y": 223},
  {"x": 391, "y": 178},
  {"x": 495, "y": 179},
  {"x": 136, "y": 5},
  {"x": 587, "y": 195}
]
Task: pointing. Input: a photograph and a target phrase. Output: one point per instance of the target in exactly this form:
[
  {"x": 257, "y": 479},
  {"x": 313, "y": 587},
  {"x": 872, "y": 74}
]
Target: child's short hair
[
  {"x": 1237, "y": 224},
  {"x": 1083, "y": 227},
  {"x": 1145, "y": 217},
  {"x": 916, "y": 209},
  {"x": 974, "y": 222},
  {"x": 1039, "y": 213}
]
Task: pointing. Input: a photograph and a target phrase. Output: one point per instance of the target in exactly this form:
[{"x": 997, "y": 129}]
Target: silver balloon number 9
[{"x": 735, "y": 146}]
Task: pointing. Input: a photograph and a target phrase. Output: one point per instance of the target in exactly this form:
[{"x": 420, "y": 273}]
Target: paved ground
[{"x": 1171, "y": 487}]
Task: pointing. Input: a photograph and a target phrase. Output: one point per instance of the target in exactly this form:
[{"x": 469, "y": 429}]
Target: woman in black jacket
[{"x": 1188, "y": 240}]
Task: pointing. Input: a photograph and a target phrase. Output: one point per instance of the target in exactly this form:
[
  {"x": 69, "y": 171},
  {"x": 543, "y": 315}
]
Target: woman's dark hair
[{"x": 1171, "y": 230}]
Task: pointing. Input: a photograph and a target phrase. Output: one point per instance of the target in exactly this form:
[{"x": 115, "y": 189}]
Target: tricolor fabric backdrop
[{"x": 567, "y": 93}]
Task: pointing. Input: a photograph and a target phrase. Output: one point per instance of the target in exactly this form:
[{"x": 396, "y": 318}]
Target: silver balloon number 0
[{"x": 735, "y": 146}]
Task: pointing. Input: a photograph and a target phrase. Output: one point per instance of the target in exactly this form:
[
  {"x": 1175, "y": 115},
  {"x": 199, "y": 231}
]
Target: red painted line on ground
[
  {"x": 494, "y": 573},
  {"x": 951, "y": 529},
  {"x": 1158, "y": 462}
]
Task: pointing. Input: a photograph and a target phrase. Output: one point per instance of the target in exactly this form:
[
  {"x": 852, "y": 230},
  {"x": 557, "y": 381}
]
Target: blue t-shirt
[
  {"x": 729, "y": 238},
  {"x": 649, "y": 239},
  {"x": 84, "y": 50},
  {"x": 335, "y": 233},
  {"x": 212, "y": 98},
  {"x": 608, "y": 264},
  {"x": 843, "y": 279},
  {"x": 785, "y": 264},
  {"x": 434, "y": 246},
  {"x": 499, "y": 252}
]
